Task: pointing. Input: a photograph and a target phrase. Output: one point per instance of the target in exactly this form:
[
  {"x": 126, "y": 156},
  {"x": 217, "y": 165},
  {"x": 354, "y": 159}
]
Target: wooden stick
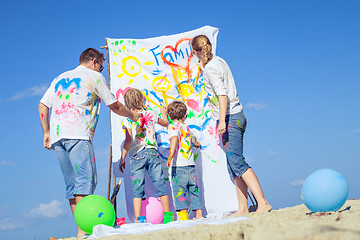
[
  {"x": 115, "y": 192},
  {"x": 109, "y": 176}
]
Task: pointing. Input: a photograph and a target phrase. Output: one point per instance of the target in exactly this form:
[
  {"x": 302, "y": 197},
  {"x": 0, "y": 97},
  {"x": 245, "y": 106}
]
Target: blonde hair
[
  {"x": 202, "y": 44},
  {"x": 134, "y": 99}
]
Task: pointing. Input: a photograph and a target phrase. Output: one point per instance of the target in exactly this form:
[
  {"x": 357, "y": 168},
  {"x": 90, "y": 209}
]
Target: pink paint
[
  {"x": 181, "y": 199},
  {"x": 42, "y": 116},
  {"x": 72, "y": 90},
  {"x": 122, "y": 92},
  {"x": 194, "y": 104},
  {"x": 58, "y": 93}
]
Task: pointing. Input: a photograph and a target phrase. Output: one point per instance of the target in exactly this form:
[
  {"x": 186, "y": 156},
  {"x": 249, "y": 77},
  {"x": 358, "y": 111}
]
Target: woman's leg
[
  {"x": 241, "y": 192},
  {"x": 250, "y": 179}
]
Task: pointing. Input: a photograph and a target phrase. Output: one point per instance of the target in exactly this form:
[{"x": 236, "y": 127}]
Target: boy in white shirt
[{"x": 181, "y": 159}]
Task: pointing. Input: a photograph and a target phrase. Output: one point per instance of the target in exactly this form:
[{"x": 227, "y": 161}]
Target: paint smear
[
  {"x": 182, "y": 199},
  {"x": 179, "y": 193},
  {"x": 193, "y": 104}
]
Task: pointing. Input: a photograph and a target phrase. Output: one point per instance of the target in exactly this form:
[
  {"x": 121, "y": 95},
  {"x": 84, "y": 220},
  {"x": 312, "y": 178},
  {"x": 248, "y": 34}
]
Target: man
[{"x": 74, "y": 99}]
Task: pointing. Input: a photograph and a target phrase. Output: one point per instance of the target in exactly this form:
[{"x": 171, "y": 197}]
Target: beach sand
[{"x": 293, "y": 223}]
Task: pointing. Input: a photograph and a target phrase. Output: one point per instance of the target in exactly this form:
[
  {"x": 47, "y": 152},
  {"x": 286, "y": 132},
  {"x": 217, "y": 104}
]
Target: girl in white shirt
[{"x": 227, "y": 110}]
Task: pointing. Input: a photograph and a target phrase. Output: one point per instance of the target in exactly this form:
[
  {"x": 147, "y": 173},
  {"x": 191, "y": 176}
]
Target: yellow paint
[
  {"x": 145, "y": 77},
  {"x": 179, "y": 193},
  {"x": 115, "y": 54},
  {"x": 161, "y": 84},
  {"x": 132, "y": 67},
  {"x": 120, "y": 75},
  {"x": 186, "y": 89},
  {"x": 114, "y": 63},
  {"x": 123, "y": 48},
  {"x": 142, "y": 49},
  {"x": 148, "y": 63},
  {"x": 131, "y": 81}
]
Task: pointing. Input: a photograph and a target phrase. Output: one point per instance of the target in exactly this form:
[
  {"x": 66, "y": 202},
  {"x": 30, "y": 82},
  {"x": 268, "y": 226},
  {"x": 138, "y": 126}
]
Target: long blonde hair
[{"x": 201, "y": 43}]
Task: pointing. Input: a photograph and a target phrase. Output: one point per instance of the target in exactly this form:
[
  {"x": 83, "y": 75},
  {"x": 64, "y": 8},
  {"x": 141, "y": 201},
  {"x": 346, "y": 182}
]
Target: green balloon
[{"x": 93, "y": 210}]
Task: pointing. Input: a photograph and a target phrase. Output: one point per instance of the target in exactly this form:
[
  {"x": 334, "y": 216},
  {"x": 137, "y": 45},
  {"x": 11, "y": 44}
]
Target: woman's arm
[{"x": 223, "y": 103}]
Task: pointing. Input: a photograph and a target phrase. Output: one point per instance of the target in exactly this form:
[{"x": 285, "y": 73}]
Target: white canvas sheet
[
  {"x": 165, "y": 70},
  {"x": 136, "y": 228}
]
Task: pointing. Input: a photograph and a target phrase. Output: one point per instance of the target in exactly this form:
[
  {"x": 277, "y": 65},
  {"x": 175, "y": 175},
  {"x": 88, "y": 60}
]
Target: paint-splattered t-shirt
[
  {"x": 218, "y": 80},
  {"x": 183, "y": 155},
  {"x": 74, "y": 100},
  {"x": 143, "y": 131}
]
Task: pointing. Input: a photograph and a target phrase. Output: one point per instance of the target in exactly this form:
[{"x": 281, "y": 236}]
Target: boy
[
  {"x": 181, "y": 158},
  {"x": 140, "y": 139}
]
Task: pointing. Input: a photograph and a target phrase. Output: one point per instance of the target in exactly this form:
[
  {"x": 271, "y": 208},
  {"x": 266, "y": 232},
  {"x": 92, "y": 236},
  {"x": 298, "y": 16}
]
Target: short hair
[
  {"x": 176, "y": 110},
  {"x": 89, "y": 54},
  {"x": 134, "y": 99}
]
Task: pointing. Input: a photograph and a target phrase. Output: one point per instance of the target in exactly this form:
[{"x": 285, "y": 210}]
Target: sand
[{"x": 288, "y": 223}]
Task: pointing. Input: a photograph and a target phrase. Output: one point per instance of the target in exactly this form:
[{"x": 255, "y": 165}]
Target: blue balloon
[{"x": 324, "y": 190}]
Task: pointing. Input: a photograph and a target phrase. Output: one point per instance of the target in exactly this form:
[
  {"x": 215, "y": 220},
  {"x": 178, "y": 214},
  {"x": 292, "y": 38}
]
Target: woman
[{"x": 227, "y": 110}]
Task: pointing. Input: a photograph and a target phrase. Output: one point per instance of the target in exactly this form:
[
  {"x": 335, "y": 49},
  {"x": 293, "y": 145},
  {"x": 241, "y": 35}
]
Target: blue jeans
[
  {"x": 77, "y": 162},
  {"x": 147, "y": 160},
  {"x": 183, "y": 180},
  {"x": 233, "y": 144}
]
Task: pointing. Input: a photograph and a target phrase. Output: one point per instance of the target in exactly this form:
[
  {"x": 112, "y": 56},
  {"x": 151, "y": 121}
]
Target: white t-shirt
[
  {"x": 143, "y": 131},
  {"x": 183, "y": 155},
  {"x": 218, "y": 81},
  {"x": 74, "y": 100}
]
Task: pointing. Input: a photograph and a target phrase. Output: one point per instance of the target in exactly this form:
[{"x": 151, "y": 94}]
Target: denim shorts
[
  {"x": 147, "y": 159},
  {"x": 77, "y": 162},
  {"x": 233, "y": 144},
  {"x": 183, "y": 180}
]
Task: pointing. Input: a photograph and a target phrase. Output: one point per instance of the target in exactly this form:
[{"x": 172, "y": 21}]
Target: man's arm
[
  {"x": 44, "y": 120},
  {"x": 127, "y": 145},
  {"x": 118, "y": 108}
]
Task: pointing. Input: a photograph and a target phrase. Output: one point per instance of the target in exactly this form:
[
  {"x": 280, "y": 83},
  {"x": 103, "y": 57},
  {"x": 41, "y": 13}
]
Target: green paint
[
  {"x": 121, "y": 41},
  {"x": 67, "y": 96},
  {"x": 196, "y": 156},
  {"x": 57, "y": 130},
  {"x": 134, "y": 42},
  {"x": 98, "y": 81},
  {"x": 215, "y": 100},
  {"x": 175, "y": 180},
  {"x": 196, "y": 190},
  {"x": 77, "y": 170},
  {"x": 116, "y": 43},
  {"x": 166, "y": 179},
  {"x": 190, "y": 114},
  {"x": 60, "y": 96}
]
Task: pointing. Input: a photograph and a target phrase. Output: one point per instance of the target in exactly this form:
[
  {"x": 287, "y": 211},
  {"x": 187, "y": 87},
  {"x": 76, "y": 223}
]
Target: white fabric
[
  {"x": 101, "y": 230},
  {"x": 220, "y": 81},
  {"x": 183, "y": 155},
  {"x": 143, "y": 131},
  {"x": 74, "y": 98},
  {"x": 164, "y": 69}
]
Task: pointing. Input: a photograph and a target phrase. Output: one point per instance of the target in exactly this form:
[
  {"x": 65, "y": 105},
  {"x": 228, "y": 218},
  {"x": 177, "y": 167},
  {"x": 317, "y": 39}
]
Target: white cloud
[
  {"x": 6, "y": 163},
  {"x": 353, "y": 132},
  {"x": 28, "y": 92},
  {"x": 8, "y": 224},
  {"x": 272, "y": 153},
  {"x": 297, "y": 183},
  {"x": 257, "y": 106},
  {"x": 51, "y": 210}
]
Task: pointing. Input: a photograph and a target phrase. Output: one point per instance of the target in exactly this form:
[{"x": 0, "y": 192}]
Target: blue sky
[{"x": 296, "y": 65}]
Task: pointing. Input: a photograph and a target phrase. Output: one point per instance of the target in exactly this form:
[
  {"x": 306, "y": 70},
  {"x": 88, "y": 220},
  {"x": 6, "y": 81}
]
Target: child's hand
[
  {"x": 221, "y": 128},
  {"x": 135, "y": 116},
  {"x": 197, "y": 145},
  {"x": 168, "y": 163},
  {"x": 122, "y": 165},
  {"x": 163, "y": 110}
]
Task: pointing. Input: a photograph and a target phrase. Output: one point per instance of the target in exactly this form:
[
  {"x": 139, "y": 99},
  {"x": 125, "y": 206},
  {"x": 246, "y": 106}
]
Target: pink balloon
[{"x": 151, "y": 208}]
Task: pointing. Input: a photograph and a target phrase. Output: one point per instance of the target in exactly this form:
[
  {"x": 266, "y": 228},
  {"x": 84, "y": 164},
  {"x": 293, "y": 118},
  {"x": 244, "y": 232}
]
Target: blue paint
[
  {"x": 155, "y": 54},
  {"x": 100, "y": 214},
  {"x": 66, "y": 83}
]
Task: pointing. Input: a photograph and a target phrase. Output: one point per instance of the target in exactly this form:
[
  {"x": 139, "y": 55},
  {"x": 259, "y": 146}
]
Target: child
[
  {"x": 183, "y": 175},
  {"x": 140, "y": 139}
]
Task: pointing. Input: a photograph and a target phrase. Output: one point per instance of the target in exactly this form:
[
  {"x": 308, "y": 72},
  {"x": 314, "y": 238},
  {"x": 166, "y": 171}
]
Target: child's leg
[
  {"x": 157, "y": 176},
  {"x": 137, "y": 207},
  {"x": 199, "y": 214},
  {"x": 252, "y": 182},
  {"x": 164, "y": 199}
]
